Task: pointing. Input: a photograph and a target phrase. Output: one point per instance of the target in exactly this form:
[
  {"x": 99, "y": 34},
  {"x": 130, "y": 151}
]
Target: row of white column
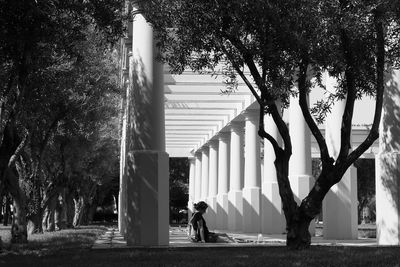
[
  {"x": 229, "y": 179},
  {"x": 226, "y": 173}
]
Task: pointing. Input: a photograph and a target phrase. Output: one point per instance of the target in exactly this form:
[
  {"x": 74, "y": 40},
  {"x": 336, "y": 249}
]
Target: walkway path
[{"x": 112, "y": 239}]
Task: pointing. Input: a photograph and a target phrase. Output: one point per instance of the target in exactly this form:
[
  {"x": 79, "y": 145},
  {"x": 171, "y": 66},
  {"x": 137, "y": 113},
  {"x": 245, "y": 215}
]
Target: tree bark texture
[
  {"x": 69, "y": 209},
  {"x": 79, "y": 204},
  {"x": 19, "y": 232},
  {"x": 35, "y": 223}
]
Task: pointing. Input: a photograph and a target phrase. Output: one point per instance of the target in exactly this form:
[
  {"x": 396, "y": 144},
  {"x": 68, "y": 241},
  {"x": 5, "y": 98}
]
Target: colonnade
[
  {"x": 241, "y": 199},
  {"x": 242, "y": 192},
  {"x": 226, "y": 171}
]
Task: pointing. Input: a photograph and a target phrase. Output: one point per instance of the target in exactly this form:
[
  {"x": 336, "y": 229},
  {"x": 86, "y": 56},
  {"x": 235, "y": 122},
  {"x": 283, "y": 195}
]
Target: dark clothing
[{"x": 196, "y": 217}]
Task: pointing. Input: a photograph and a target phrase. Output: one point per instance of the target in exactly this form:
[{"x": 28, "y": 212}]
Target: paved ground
[{"x": 178, "y": 238}]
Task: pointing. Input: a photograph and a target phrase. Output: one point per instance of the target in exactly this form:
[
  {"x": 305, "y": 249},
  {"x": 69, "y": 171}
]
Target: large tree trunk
[
  {"x": 297, "y": 223},
  {"x": 298, "y": 234}
]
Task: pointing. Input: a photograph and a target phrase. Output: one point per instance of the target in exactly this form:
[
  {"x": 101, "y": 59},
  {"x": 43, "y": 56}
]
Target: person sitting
[{"x": 198, "y": 230}]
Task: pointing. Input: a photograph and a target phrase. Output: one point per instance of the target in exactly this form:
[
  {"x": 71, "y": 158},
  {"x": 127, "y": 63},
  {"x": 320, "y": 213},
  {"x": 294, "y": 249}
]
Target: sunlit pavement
[{"x": 112, "y": 239}]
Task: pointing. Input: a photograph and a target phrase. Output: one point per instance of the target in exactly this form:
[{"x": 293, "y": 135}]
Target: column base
[
  {"x": 301, "y": 186},
  {"x": 251, "y": 210},
  {"x": 222, "y": 211},
  {"x": 211, "y": 214},
  {"x": 387, "y": 199},
  {"x": 272, "y": 216},
  {"x": 340, "y": 208},
  {"x": 147, "y": 198},
  {"x": 235, "y": 210}
]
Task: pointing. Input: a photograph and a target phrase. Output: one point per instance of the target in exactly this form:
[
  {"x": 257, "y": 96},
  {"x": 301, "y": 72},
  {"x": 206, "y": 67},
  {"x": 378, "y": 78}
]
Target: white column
[
  {"x": 387, "y": 166},
  {"x": 235, "y": 196},
  {"x": 147, "y": 163},
  {"x": 204, "y": 173},
  {"x": 272, "y": 216},
  {"x": 300, "y": 169},
  {"x": 252, "y": 175},
  {"x": 340, "y": 204},
  {"x": 223, "y": 182},
  {"x": 197, "y": 178},
  {"x": 192, "y": 162},
  {"x": 212, "y": 185},
  {"x": 124, "y": 144}
]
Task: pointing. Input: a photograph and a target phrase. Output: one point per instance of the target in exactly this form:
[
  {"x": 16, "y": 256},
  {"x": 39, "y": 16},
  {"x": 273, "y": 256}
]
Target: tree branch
[
  {"x": 262, "y": 133},
  {"x": 306, "y": 112},
  {"x": 380, "y": 67},
  {"x": 240, "y": 72},
  {"x": 345, "y": 132}
]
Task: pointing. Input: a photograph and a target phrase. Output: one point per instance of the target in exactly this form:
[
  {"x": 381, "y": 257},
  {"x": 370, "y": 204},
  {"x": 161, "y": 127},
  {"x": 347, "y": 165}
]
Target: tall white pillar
[
  {"x": 387, "y": 166},
  {"x": 272, "y": 216},
  {"x": 235, "y": 196},
  {"x": 223, "y": 182},
  {"x": 252, "y": 175},
  {"x": 340, "y": 204},
  {"x": 192, "y": 162},
  {"x": 212, "y": 185},
  {"x": 204, "y": 173},
  {"x": 300, "y": 168},
  {"x": 127, "y": 61},
  {"x": 197, "y": 177},
  {"x": 147, "y": 195}
]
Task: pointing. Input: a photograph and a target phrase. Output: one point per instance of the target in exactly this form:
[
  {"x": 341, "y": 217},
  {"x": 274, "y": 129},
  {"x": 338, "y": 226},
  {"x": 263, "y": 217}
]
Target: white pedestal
[
  {"x": 301, "y": 186},
  {"x": 387, "y": 199},
  {"x": 235, "y": 210},
  {"x": 272, "y": 217},
  {"x": 340, "y": 208},
  {"x": 211, "y": 215},
  {"x": 147, "y": 198},
  {"x": 222, "y": 211},
  {"x": 251, "y": 210}
]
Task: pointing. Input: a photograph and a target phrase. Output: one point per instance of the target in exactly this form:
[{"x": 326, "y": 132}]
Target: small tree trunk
[
  {"x": 7, "y": 213},
  {"x": 79, "y": 210},
  {"x": 48, "y": 215},
  {"x": 58, "y": 213},
  {"x": 19, "y": 233},
  {"x": 51, "y": 220},
  {"x": 35, "y": 223},
  {"x": 69, "y": 210}
]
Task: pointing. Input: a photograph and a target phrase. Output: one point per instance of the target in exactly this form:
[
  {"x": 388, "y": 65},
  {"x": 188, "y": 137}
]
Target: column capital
[
  {"x": 236, "y": 126},
  {"x": 213, "y": 143},
  {"x": 223, "y": 136},
  {"x": 204, "y": 149},
  {"x": 250, "y": 114}
]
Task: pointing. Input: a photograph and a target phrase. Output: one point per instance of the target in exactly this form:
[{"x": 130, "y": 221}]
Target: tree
[
  {"x": 282, "y": 44},
  {"x": 40, "y": 58}
]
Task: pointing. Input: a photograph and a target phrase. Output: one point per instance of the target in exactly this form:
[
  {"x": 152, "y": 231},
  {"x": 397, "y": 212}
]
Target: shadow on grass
[
  {"x": 231, "y": 256},
  {"x": 52, "y": 242}
]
